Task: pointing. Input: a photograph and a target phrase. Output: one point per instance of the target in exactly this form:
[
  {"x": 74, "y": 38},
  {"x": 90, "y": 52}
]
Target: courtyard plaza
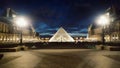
[{"x": 61, "y": 58}]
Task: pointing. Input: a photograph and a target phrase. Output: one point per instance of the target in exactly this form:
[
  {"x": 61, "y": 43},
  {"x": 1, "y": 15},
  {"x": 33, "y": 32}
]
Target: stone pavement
[{"x": 61, "y": 58}]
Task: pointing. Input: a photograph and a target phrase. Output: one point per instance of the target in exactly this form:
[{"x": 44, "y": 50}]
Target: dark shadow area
[
  {"x": 1, "y": 56},
  {"x": 8, "y": 59},
  {"x": 56, "y": 45}
]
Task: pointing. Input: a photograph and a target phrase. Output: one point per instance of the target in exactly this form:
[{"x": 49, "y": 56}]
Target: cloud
[
  {"x": 41, "y": 27},
  {"x": 78, "y": 34},
  {"x": 73, "y": 28},
  {"x": 52, "y": 29},
  {"x": 46, "y": 34},
  {"x": 84, "y": 30}
]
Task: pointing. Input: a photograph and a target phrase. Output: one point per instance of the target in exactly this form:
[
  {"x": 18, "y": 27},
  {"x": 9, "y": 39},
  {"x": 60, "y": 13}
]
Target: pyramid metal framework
[{"x": 61, "y": 36}]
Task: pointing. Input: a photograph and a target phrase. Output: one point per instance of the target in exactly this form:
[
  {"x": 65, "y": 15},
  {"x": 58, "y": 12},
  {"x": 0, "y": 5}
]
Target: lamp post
[
  {"x": 103, "y": 20},
  {"x": 21, "y": 22}
]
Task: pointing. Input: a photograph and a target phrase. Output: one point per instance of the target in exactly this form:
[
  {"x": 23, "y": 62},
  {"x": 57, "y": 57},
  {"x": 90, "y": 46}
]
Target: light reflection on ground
[{"x": 61, "y": 58}]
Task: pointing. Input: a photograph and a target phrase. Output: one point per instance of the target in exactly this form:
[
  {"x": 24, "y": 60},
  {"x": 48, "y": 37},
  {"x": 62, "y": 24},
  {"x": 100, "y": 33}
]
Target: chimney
[{"x": 8, "y": 12}]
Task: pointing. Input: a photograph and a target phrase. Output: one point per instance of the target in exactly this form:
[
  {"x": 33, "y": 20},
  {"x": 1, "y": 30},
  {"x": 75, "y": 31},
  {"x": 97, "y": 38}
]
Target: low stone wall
[
  {"x": 107, "y": 47},
  {"x": 112, "y": 48},
  {"x": 63, "y": 45},
  {"x": 59, "y": 45},
  {"x": 8, "y": 49},
  {"x": 13, "y": 49}
]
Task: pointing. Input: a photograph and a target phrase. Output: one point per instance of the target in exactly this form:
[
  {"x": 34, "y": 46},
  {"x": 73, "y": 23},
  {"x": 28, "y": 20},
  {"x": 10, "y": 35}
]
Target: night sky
[{"x": 49, "y": 15}]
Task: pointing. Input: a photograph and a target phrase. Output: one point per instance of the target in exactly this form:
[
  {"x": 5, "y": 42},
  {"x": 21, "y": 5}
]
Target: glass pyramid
[{"x": 61, "y": 36}]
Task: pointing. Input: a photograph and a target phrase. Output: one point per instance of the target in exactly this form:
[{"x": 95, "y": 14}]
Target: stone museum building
[
  {"x": 111, "y": 30},
  {"x": 10, "y": 32}
]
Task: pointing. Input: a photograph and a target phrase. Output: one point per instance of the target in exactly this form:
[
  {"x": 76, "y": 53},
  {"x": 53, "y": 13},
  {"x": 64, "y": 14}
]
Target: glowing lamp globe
[
  {"x": 21, "y": 22},
  {"x": 103, "y": 20}
]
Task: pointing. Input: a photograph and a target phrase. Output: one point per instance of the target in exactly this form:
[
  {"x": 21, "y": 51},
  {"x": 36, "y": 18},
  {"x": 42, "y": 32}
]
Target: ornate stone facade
[
  {"x": 111, "y": 31},
  {"x": 10, "y": 33}
]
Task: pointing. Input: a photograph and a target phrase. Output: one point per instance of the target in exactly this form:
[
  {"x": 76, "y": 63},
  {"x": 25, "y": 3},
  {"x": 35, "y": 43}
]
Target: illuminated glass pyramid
[{"x": 61, "y": 36}]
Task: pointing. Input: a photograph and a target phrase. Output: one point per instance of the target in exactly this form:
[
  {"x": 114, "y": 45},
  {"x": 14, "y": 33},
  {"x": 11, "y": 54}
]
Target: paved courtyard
[{"x": 61, "y": 58}]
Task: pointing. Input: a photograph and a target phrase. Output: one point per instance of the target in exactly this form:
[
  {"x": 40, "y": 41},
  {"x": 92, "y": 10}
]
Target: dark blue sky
[{"x": 49, "y": 15}]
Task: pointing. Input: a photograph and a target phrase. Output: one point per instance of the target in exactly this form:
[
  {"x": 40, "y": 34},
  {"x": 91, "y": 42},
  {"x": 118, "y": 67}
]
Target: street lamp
[
  {"x": 103, "y": 20},
  {"x": 21, "y": 22}
]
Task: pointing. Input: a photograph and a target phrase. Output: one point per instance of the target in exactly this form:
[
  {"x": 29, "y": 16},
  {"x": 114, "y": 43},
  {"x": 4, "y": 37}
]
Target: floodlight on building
[
  {"x": 21, "y": 21},
  {"x": 103, "y": 20},
  {"x": 13, "y": 15},
  {"x": 108, "y": 14}
]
